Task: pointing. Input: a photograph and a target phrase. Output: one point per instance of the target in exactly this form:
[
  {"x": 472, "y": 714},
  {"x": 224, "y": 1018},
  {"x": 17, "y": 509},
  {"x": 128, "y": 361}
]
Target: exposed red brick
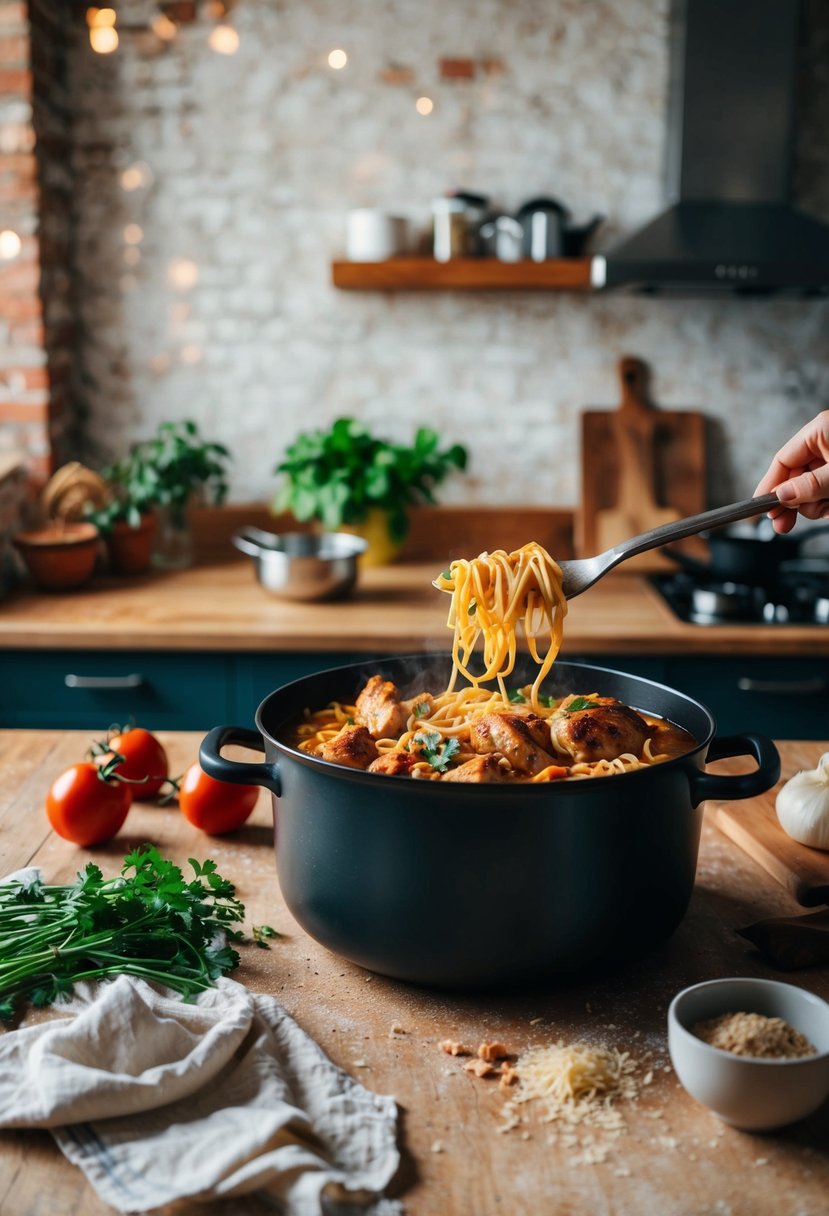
[
  {"x": 34, "y": 377},
  {"x": 15, "y": 81},
  {"x": 457, "y": 69},
  {"x": 14, "y": 52},
  {"x": 18, "y": 190},
  {"x": 20, "y": 308},
  {"x": 397, "y": 75},
  {"x": 15, "y": 411},
  {"x": 180, "y": 11},
  {"x": 19, "y": 276}
]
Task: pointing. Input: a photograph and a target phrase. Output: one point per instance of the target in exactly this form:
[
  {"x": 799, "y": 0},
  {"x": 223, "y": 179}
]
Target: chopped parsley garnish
[
  {"x": 516, "y": 696},
  {"x": 421, "y": 709},
  {"x": 581, "y": 703},
  {"x": 473, "y": 608},
  {"x": 446, "y": 575},
  {"x": 436, "y": 752}
]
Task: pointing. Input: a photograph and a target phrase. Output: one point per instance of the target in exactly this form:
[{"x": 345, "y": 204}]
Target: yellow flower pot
[{"x": 382, "y": 550}]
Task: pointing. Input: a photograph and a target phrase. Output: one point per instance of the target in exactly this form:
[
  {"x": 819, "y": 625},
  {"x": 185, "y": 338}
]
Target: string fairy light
[
  {"x": 10, "y": 245},
  {"x": 103, "y": 36},
  {"x": 224, "y": 40}
]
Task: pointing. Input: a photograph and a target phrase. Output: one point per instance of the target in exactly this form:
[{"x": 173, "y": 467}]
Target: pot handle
[
  {"x": 746, "y": 785},
  {"x": 235, "y": 771}
]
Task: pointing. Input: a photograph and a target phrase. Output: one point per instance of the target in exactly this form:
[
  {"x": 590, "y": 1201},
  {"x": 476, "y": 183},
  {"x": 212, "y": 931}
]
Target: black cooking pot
[
  {"x": 743, "y": 553},
  {"x": 474, "y": 885}
]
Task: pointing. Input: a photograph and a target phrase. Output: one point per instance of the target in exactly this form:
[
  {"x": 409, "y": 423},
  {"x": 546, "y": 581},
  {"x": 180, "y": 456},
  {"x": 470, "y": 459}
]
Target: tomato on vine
[
  {"x": 214, "y": 806},
  {"x": 143, "y": 759},
  {"x": 87, "y": 804}
]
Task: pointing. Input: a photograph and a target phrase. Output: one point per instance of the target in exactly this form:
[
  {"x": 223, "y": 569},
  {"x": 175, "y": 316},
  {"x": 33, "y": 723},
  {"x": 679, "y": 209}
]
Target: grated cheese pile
[{"x": 574, "y": 1084}]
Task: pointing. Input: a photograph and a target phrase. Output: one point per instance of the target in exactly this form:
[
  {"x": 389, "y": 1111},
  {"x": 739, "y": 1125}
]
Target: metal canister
[{"x": 456, "y": 219}]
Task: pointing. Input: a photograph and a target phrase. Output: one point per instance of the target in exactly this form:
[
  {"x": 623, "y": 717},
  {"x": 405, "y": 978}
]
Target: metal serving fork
[{"x": 583, "y": 572}]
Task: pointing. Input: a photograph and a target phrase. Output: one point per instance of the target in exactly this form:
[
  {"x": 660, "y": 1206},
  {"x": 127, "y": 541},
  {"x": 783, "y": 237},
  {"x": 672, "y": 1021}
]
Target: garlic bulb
[{"x": 803, "y": 805}]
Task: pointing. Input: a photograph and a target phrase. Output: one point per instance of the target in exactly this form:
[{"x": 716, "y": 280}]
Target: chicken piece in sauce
[
  {"x": 522, "y": 737},
  {"x": 482, "y": 770},
  {"x": 379, "y": 706},
  {"x": 353, "y": 747},
  {"x": 395, "y": 764},
  {"x": 607, "y": 729}
]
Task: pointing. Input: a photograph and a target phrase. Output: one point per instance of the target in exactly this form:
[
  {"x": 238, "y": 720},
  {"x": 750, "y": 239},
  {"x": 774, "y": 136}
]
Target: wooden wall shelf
[{"x": 462, "y": 274}]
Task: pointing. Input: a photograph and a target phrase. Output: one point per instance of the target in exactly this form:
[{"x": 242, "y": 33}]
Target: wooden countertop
[
  {"x": 220, "y": 606},
  {"x": 680, "y": 1162}
]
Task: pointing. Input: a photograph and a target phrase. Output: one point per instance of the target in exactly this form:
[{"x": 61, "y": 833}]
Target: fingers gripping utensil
[{"x": 582, "y": 573}]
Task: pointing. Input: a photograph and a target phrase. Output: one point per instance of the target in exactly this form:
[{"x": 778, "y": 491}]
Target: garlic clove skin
[{"x": 803, "y": 806}]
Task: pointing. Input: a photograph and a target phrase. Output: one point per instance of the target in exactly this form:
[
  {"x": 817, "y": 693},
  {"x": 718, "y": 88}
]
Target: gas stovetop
[{"x": 800, "y": 600}]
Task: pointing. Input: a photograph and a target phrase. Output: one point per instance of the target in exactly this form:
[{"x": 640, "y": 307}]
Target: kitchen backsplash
[{"x": 210, "y": 194}]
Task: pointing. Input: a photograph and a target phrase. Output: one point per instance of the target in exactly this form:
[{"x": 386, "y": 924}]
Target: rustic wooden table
[{"x": 674, "y": 1158}]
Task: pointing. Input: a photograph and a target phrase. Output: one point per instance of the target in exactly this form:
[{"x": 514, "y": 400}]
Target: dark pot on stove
[
  {"x": 741, "y": 553},
  {"x": 477, "y": 885}
]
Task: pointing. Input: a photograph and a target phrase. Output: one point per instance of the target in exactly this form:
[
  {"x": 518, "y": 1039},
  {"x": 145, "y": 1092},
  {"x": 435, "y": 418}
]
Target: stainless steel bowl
[{"x": 303, "y": 565}]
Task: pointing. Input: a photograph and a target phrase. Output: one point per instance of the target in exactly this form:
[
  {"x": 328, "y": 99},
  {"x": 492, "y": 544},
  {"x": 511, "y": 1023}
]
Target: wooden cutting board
[
  {"x": 752, "y": 824},
  {"x": 640, "y": 467}
]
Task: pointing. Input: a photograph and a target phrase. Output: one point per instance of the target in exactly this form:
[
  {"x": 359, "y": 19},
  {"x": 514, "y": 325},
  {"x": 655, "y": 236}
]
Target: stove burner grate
[{"x": 801, "y": 597}]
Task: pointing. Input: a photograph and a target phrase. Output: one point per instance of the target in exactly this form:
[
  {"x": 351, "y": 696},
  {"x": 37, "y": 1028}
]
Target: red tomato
[
  {"x": 143, "y": 757},
  {"x": 84, "y": 808},
  {"x": 214, "y": 806}
]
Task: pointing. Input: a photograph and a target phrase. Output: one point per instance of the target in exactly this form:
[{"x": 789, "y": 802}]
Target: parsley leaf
[
  {"x": 516, "y": 696},
  {"x": 436, "y": 752}
]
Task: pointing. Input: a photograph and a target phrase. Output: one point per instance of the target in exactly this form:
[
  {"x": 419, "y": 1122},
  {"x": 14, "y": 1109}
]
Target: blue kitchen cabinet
[
  {"x": 786, "y": 698},
  {"x": 259, "y": 674},
  {"x": 89, "y": 689},
  {"x": 160, "y": 690}
]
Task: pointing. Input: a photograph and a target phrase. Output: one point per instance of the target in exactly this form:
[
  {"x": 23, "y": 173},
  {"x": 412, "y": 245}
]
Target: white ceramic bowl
[{"x": 750, "y": 1093}]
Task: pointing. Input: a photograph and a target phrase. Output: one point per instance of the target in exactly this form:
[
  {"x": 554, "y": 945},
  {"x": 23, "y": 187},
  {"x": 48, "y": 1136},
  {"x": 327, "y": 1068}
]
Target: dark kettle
[{"x": 548, "y": 233}]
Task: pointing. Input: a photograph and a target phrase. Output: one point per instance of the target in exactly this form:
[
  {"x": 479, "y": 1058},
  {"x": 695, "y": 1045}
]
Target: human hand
[{"x": 799, "y": 476}]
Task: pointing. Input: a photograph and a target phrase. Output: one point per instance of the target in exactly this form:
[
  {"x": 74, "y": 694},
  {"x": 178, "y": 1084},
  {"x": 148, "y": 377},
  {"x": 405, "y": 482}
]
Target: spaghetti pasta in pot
[{"x": 483, "y": 731}]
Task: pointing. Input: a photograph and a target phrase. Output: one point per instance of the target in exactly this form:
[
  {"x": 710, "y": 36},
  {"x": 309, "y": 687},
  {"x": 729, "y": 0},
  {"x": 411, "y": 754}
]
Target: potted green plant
[
  {"x": 177, "y": 463},
  {"x": 150, "y": 489},
  {"x": 348, "y": 479}
]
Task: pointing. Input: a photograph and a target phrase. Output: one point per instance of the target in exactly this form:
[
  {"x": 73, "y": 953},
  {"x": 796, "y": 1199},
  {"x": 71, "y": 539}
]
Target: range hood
[{"x": 729, "y": 226}]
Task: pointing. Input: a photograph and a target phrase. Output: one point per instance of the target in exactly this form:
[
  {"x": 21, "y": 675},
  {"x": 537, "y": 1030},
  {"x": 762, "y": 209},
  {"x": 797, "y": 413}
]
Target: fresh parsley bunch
[
  {"x": 149, "y": 922},
  {"x": 338, "y": 476}
]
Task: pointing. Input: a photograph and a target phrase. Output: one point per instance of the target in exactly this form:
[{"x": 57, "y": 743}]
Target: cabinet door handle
[
  {"x": 782, "y": 687},
  {"x": 133, "y": 680}
]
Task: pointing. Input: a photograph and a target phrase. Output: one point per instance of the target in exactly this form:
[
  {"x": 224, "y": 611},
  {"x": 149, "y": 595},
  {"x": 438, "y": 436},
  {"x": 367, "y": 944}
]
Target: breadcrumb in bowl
[{"x": 754, "y": 1092}]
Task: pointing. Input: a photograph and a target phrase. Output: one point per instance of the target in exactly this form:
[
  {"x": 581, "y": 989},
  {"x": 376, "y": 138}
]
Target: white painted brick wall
[{"x": 255, "y": 159}]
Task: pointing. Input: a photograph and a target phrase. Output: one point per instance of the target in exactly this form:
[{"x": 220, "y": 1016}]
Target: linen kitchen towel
[{"x": 158, "y": 1100}]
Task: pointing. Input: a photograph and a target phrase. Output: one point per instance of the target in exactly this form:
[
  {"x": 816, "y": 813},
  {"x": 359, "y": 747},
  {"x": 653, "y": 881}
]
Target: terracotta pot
[
  {"x": 130, "y": 549},
  {"x": 60, "y": 555}
]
